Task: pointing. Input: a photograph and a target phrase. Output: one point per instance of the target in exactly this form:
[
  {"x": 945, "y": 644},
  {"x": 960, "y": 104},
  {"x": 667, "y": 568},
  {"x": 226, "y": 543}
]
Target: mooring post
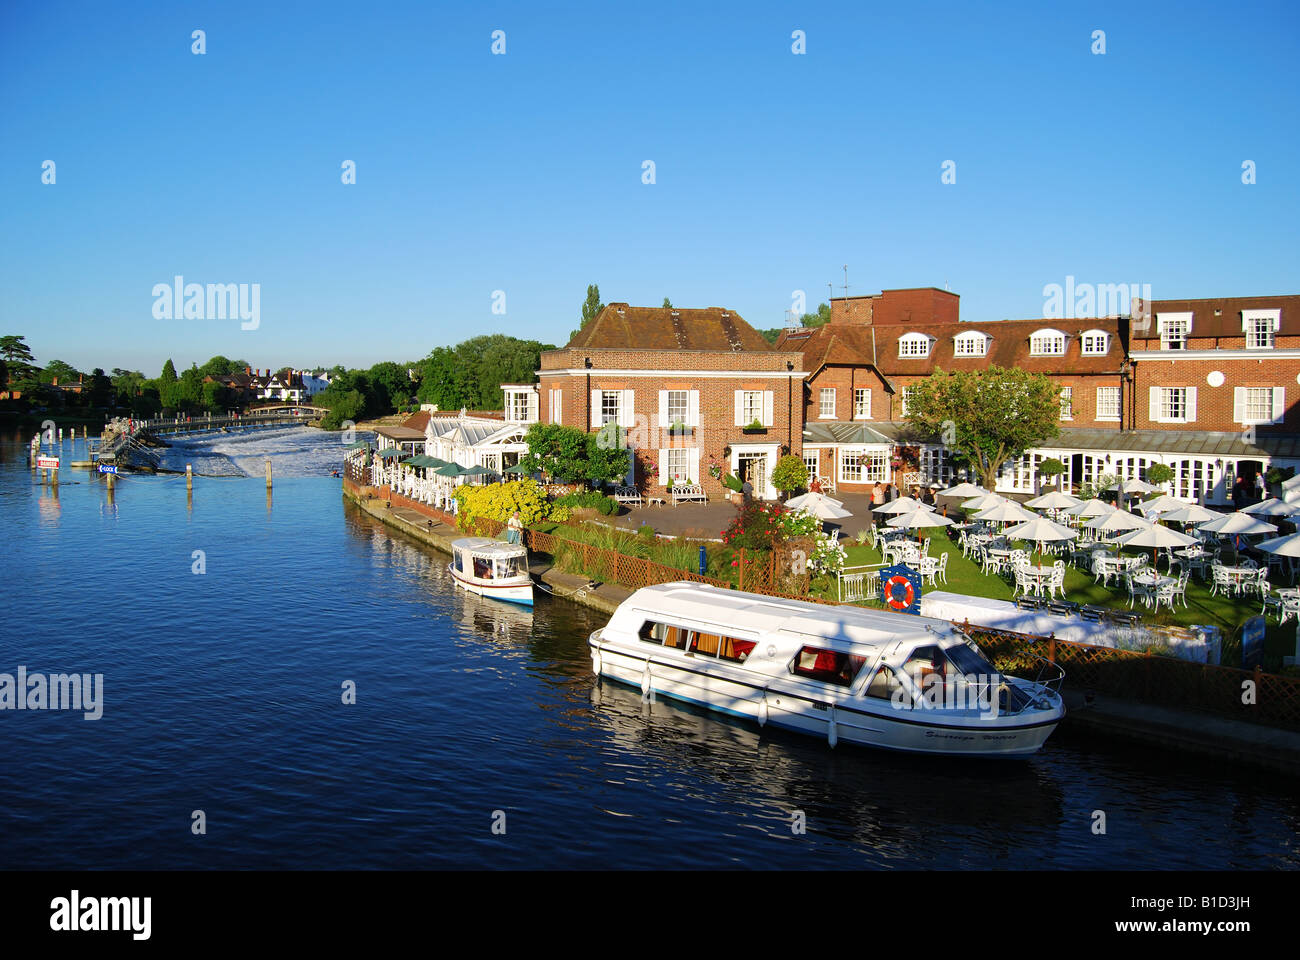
[
  {"x": 268, "y": 473},
  {"x": 55, "y": 477},
  {"x": 189, "y": 478},
  {"x": 112, "y": 482}
]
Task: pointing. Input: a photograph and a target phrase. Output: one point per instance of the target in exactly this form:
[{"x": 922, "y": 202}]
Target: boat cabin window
[
  {"x": 482, "y": 568},
  {"x": 697, "y": 643},
  {"x": 456, "y": 562},
  {"x": 828, "y": 666},
  {"x": 925, "y": 662},
  {"x": 886, "y": 685},
  {"x": 510, "y": 567}
]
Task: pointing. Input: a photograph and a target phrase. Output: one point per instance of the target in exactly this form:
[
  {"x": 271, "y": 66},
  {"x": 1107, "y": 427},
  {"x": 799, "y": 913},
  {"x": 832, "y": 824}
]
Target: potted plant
[
  {"x": 790, "y": 473},
  {"x": 755, "y": 426},
  {"x": 1049, "y": 469}
]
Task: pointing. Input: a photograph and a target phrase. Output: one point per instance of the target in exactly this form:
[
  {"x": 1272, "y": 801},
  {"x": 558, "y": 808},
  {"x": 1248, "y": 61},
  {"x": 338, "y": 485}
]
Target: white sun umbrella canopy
[
  {"x": 1157, "y": 537},
  {"x": 1055, "y": 500},
  {"x": 901, "y": 505},
  {"x": 802, "y": 501},
  {"x": 964, "y": 490},
  {"x": 1091, "y": 508},
  {"x": 1189, "y": 513},
  {"x": 1133, "y": 486},
  {"x": 1272, "y": 507},
  {"x": 1040, "y": 530},
  {"x": 1117, "y": 520},
  {"x": 985, "y": 501},
  {"x": 1238, "y": 523},
  {"x": 915, "y": 519},
  {"x": 1161, "y": 504},
  {"x": 1007, "y": 512},
  {"x": 823, "y": 508},
  {"x": 1288, "y": 546}
]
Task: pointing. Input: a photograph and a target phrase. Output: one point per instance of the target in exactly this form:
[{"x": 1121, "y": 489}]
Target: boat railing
[{"x": 1050, "y": 674}]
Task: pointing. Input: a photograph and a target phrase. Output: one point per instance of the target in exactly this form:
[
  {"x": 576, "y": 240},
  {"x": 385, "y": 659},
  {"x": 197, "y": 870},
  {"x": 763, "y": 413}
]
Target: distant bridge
[{"x": 260, "y": 417}]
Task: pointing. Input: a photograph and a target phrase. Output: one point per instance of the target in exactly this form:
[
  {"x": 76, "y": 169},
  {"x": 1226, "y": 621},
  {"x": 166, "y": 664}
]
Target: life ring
[{"x": 909, "y": 596}]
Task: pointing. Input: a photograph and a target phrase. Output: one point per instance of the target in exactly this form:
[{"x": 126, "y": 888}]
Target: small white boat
[
  {"x": 492, "y": 568},
  {"x": 870, "y": 677}
]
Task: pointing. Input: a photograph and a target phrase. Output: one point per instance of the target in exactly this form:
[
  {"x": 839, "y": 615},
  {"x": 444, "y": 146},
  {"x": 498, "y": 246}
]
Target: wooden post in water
[
  {"x": 112, "y": 482},
  {"x": 54, "y": 474},
  {"x": 189, "y": 478},
  {"x": 268, "y": 473}
]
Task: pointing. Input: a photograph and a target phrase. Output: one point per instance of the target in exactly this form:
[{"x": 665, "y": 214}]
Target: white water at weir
[{"x": 294, "y": 452}]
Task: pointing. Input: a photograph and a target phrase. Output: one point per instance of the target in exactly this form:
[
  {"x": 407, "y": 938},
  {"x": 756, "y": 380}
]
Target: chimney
[{"x": 56, "y": 382}]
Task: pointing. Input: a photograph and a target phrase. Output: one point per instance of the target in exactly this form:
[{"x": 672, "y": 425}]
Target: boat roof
[
  {"x": 757, "y": 613},
  {"x": 488, "y": 548}
]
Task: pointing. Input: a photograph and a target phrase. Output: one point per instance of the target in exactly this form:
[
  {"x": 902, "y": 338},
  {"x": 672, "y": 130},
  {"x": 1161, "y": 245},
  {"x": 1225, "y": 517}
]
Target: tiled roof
[
  {"x": 1174, "y": 442},
  {"x": 620, "y": 326},
  {"x": 1221, "y": 316},
  {"x": 417, "y": 421},
  {"x": 841, "y": 432}
]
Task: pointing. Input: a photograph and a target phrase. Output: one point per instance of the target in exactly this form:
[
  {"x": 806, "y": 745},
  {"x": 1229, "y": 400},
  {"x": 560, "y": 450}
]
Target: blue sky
[{"x": 523, "y": 172}]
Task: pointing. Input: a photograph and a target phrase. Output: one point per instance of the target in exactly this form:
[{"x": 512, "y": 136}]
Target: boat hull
[
  {"x": 781, "y": 704},
  {"x": 514, "y": 591}
]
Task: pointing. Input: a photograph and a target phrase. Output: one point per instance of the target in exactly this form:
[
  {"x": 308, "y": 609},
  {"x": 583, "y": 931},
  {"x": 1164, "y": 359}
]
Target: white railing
[{"x": 858, "y": 583}]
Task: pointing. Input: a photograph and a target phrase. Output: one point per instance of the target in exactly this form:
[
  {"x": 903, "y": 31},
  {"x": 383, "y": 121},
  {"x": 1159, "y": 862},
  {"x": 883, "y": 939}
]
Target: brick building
[{"x": 695, "y": 389}]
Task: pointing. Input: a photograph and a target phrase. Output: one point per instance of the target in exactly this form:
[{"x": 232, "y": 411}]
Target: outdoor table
[
  {"x": 1239, "y": 575},
  {"x": 1113, "y": 566},
  {"x": 1040, "y": 576},
  {"x": 1152, "y": 579}
]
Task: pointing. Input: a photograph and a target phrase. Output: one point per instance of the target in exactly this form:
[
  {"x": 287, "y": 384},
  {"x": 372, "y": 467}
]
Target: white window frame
[
  {"x": 972, "y": 343},
  {"x": 1094, "y": 343},
  {"x": 902, "y": 398},
  {"x": 1110, "y": 392},
  {"x": 1175, "y": 329},
  {"x": 673, "y": 472},
  {"x": 604, "y": 407},
  {"x": 1067, "y": 403},
  {"x": 1047, "y": 337},
  {"x": 825, "y": 394},
  {"x": 861, "y": 403},
  {"x": 913, "y": 346},
  {"x": 1261, "y": 324},
  {"x": 752, "y": 406},
  {"x": 1163, "y": 405},
  {"x": 683, "y": 408},
  {"x": 812, "y": 459},
  {"x": 557, "y": 405},
  {"x": 1241, "y": 405}
]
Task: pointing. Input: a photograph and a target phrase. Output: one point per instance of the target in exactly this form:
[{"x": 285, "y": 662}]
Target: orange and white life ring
[{"x": 909, "y": 594}]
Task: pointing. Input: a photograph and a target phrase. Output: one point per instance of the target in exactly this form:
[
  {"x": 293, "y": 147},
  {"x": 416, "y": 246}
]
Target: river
[{"x": 229, "y": 626}]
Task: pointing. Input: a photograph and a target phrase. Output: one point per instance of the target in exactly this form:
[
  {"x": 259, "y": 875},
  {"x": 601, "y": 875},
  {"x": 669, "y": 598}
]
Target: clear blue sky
[{"x": 522, "y": 172}]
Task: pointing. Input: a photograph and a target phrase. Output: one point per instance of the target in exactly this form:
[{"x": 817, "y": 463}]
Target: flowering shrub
[
  {"x": 828, "y": 555},
  {"x": 757, "y": 526},
  {"x": 799, "y": 523},
  {"x": 498, "y": 501}
]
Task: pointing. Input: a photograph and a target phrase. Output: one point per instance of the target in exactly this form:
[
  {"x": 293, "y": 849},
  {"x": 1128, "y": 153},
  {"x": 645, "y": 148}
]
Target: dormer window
[
  {"x": 1260, "y": 327},
  {"x": 1174, "y": 329},
  {"x": 1095, "y": 343},
  {"x": 914, "y": 345},
  {"x": 1047, "y": 343},
  {"x": 970, "y": 344}
]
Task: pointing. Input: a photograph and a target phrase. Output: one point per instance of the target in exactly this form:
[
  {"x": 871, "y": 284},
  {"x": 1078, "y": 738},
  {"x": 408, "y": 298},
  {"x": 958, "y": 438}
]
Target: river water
[{"x": 223, "y": 690}]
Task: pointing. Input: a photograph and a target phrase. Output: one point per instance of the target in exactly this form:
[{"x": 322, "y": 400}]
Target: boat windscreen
[{"x": 969, "y": 661}]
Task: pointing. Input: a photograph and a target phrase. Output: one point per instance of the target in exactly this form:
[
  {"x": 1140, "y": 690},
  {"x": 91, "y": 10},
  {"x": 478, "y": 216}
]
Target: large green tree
[
  {"x": 986, "y": 417},
  {"x": 65, "y": 372},
  {"x": 19, "y": 361},
  {"x": 471, "y": 373},
  {"x": 559, "y": 452},
  {"x": 168, "y": 374},
  {"x": 818, "y": 319}
]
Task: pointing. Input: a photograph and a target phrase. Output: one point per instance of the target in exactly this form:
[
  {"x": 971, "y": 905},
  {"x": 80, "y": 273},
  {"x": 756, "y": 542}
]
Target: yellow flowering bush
[{"x": 498, "y": 501}]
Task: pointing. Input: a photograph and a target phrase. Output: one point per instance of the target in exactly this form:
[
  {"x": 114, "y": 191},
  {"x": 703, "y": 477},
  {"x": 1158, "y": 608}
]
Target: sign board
[
  {"x": 900, "y": 589},
  {"x": 1252, "y": 643},
  {"x": 47, "y": 463},
  {"x": 107, "y": 468}
]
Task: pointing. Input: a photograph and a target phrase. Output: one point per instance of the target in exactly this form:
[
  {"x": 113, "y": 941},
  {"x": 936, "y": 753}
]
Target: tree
[
  {"x": 592, "y": 305},
  {"x": 168, "y": 374},
  {"x": 607, "y": 455},
  {"x": 19, "y": 360},
  {"x": 1158, "y": 474},
  {"x": 1049, "y": 468},
  {"x": 668, "y": 304},
  {"x": 818, "y": 319},
  {"x": 65, "y": 372},
  {"x": 101, "y": 392},
  {"x": 559, "y": 452},
  {"x": 987, "y": 416},
  {"x": 790, "y": 473}
]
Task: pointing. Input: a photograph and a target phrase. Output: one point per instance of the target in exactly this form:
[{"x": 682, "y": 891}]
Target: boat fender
[
  {"x": 645, "y": 680},
  {"x": 832, "y": 735},
  {"x": 762, "y": 710},
  {"x": 595, "y": 662}
]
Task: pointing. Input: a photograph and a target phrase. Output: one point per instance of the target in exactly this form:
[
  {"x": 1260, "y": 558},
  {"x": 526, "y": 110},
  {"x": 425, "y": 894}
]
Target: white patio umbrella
[
  {"x": 1272, "y": 507},
  {"x": 799, "y": 502},
  {"x": 1007, "y": 512},
  {"x": 963, "y": 490},
  {"x": 1040, "y": 530},
  {"x": 1161, "y": 504},
  {"x": 1238, "y": 523},
  {"x": 1132, "y": 486},
  {"x": 1288, "y": 546},
  {"x": 1156, "y": 537},
  {"x": 901, "y": 505},
  {"x": 823, "y": 508},
  {"x": 1116, "y": 521},
  {"x": 916, "y": 519},
  {"x": 1091, "y": 508},
  {"x": 1189, "y": 513},
  {"x": 1055, "y": 500},
  {"x": 985, "y": 501}
]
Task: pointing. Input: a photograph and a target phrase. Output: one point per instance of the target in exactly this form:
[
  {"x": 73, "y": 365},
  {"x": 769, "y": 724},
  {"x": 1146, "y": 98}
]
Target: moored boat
[
  {"x": 492, "y": 568},
  {"x": 869, "y": 677}
]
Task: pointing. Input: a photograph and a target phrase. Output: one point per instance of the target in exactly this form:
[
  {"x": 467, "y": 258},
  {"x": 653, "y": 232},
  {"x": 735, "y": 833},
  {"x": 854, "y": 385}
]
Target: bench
[
  {"x": 683, "y": 492},
  {"x": 627, "y": 495}
]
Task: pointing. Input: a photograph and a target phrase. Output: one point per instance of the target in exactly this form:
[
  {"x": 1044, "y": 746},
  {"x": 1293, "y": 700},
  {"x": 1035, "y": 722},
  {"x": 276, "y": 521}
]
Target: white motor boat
[
  {"x": 492, "y": 568},
  {"x": 870, "y": 677}
]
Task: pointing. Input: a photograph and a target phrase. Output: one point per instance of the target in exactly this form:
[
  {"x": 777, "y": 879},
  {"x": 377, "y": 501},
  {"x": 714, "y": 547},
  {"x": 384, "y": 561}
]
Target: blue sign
[
  {"x": 107, "y": 468},
  {"x": 1252, "y": 643},
  {"x": 900, "y": 589}
]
